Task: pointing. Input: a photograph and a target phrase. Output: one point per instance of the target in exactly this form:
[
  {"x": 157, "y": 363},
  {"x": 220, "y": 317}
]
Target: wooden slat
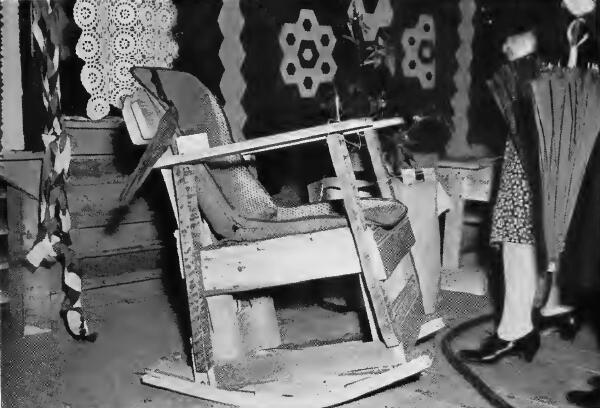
[
  {"x": 20, "y": 229},
  {"x": 368, "y": 253},
  {"x": 376, "y": 154},
  {"x": 280, "y": 261},
  {"x": 41, "y": 296},
  {"x": 340, "y": 359},
  {"x": 89, "y": 242},
  {"x": 191, "y": 231},
  {"x": 92, "y": 206},
  {"x": 388, "y": 122},
  {"x": 268, "y": 142},
  {"x": 225, "y": 334},
  {"x": 22, "y": 216},
  {"x": 138, "y": 276},
  {"x": 315, "y": 390},
  {"x": 26, "y": 173},
  {"x": 121, "y": 263},
  {"x": 11, "y": 123},
  {"x": 94, "y": 137},
  {"x": 20, "y": 156},
  {"x": 93, "y": 170}
]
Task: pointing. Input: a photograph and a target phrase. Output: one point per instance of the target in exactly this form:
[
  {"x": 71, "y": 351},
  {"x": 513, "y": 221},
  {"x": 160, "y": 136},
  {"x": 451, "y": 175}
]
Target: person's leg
[
  {"x": 553, "y": 305},
  {"x": 516, "y": 334},
  {"x": 520, "y": 280}
]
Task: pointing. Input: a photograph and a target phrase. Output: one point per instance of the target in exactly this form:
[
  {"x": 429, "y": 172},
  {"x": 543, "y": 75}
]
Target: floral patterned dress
[{"x": 512, "y": 219}]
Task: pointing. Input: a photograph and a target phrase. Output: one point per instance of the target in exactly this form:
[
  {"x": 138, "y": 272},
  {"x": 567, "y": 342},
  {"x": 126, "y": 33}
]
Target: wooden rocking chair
[{"x": 233, "y": 239}]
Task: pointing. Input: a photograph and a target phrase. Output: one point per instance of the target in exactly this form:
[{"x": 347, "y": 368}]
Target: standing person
[{"x": 515, "y": 224}]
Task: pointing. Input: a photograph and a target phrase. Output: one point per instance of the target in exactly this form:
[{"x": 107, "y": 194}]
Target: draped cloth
[{"x": 119, "y": 34}]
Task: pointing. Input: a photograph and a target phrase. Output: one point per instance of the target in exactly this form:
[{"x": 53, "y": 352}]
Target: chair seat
[{"x": 304, "y": 219}]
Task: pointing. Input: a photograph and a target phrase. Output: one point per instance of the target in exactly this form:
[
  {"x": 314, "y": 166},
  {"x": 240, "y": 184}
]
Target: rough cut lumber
[
  {"x": 280, "y": 261},
  {"x": 42, "y": 297},
  {"x": 19, "y": 215},
  {"x": 89, "y": 242},
  {"x": 122, "y": 263},
  {"x": 388, "y": 122},
  {"x": 94, "y": 137},
  {"x": 23, "y": 218},
  {"x": 225, "y": 334},
  {"x": 368, "y": 253},
  {"x": 277, "y": 394},
  {"x": 26, "y": 174},
  {"x": 94, "y": 170},
  {"x": 92, "y": 206},
  {"x": 99, "y": 282},
  {"x": 267, "y": 143},
  {"x": 11, "y": 121},
  {"x": 259, "y": 324},
  {"x": 462, "y": 181},
  {"x": 191, "y": 231},
  {"x": 374, "y": 148},
  {"x": 303, "y": 365}
]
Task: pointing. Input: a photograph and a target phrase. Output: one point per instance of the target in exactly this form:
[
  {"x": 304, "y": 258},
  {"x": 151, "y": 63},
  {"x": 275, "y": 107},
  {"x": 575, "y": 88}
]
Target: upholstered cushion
[{"x": 241, "y": 189}]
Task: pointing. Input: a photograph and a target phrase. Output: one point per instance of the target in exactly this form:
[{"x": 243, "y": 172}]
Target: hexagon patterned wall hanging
[
  {"x": 419, "y": 49},
  {"x": 381, "y": 17},
  {"x": 307, "y": 53}
]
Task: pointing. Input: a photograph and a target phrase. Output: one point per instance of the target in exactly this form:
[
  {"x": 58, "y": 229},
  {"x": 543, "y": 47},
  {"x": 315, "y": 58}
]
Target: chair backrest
[{"x": 200, "y": 112}]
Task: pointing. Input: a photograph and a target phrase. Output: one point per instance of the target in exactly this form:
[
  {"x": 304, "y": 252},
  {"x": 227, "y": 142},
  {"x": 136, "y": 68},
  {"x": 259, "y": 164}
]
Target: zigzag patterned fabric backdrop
[
  {"x": 273, "y": 105},
  {"x": 294, "y": 52}
]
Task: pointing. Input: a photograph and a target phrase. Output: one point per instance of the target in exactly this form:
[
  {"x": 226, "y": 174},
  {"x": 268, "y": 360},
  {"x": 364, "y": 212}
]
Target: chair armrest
[{"x": 277, "y": 141}]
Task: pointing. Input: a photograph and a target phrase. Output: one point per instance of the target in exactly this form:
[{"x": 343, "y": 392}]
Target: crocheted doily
[{"x": 119, "y": 34}]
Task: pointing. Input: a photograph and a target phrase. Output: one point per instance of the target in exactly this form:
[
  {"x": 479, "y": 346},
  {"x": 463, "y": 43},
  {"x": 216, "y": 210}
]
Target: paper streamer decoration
[
  {"x": 232, "y": 54},
  {"x": 50, "y": 54},
  {"x": 307, "y": 53},
  {"x": 381, "y": 17},
  {"x": 419, "y": 49},
  {"x": 119, "y": 34}
]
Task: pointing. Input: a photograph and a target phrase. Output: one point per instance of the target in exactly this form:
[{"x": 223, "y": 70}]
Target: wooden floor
[{"x": 138, "y": 326}]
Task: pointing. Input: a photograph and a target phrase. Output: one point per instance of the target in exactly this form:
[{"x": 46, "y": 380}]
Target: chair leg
[{"x": 370, "y": 259}]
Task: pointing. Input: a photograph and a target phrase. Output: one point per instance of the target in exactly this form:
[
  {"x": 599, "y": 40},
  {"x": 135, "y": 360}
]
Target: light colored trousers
[{"x": 520, "y": 285}]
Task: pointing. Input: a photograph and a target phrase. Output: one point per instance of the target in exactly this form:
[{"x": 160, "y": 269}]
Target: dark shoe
[
  {"x": 90, "y": 337},
  {"x": 494, "y": 348},
  {"x": 566, "y": 324},
  {"x": 594, "y": 381},
  {"x": 587, "y": 399}
]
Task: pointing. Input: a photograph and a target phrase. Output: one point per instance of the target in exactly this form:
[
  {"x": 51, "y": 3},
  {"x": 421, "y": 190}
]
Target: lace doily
[{"x": 119, "y": 34}]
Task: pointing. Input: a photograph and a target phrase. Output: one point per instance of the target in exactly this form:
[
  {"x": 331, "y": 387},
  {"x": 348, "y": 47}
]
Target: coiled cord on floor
[{"x": 463, "y": 369}]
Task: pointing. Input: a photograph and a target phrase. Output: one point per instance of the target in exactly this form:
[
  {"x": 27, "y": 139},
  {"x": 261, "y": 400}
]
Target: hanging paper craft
[
  {"x": 381, "y": 17},
  {"x": 419, "y": 47},
  {"x": 307, "y": 53},
  {"x": 119, "y": 34}
]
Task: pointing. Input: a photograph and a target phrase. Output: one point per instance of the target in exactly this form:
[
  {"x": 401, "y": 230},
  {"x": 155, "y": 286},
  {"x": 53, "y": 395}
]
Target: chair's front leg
[{"x": 368, "y": 253}]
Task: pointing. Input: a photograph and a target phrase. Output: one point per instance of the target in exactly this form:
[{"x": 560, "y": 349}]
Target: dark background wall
[{"x": 273, "y": 106}]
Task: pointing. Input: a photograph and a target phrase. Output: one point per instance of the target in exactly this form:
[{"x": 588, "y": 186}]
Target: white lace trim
[{"x": 119, "y": 34}]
